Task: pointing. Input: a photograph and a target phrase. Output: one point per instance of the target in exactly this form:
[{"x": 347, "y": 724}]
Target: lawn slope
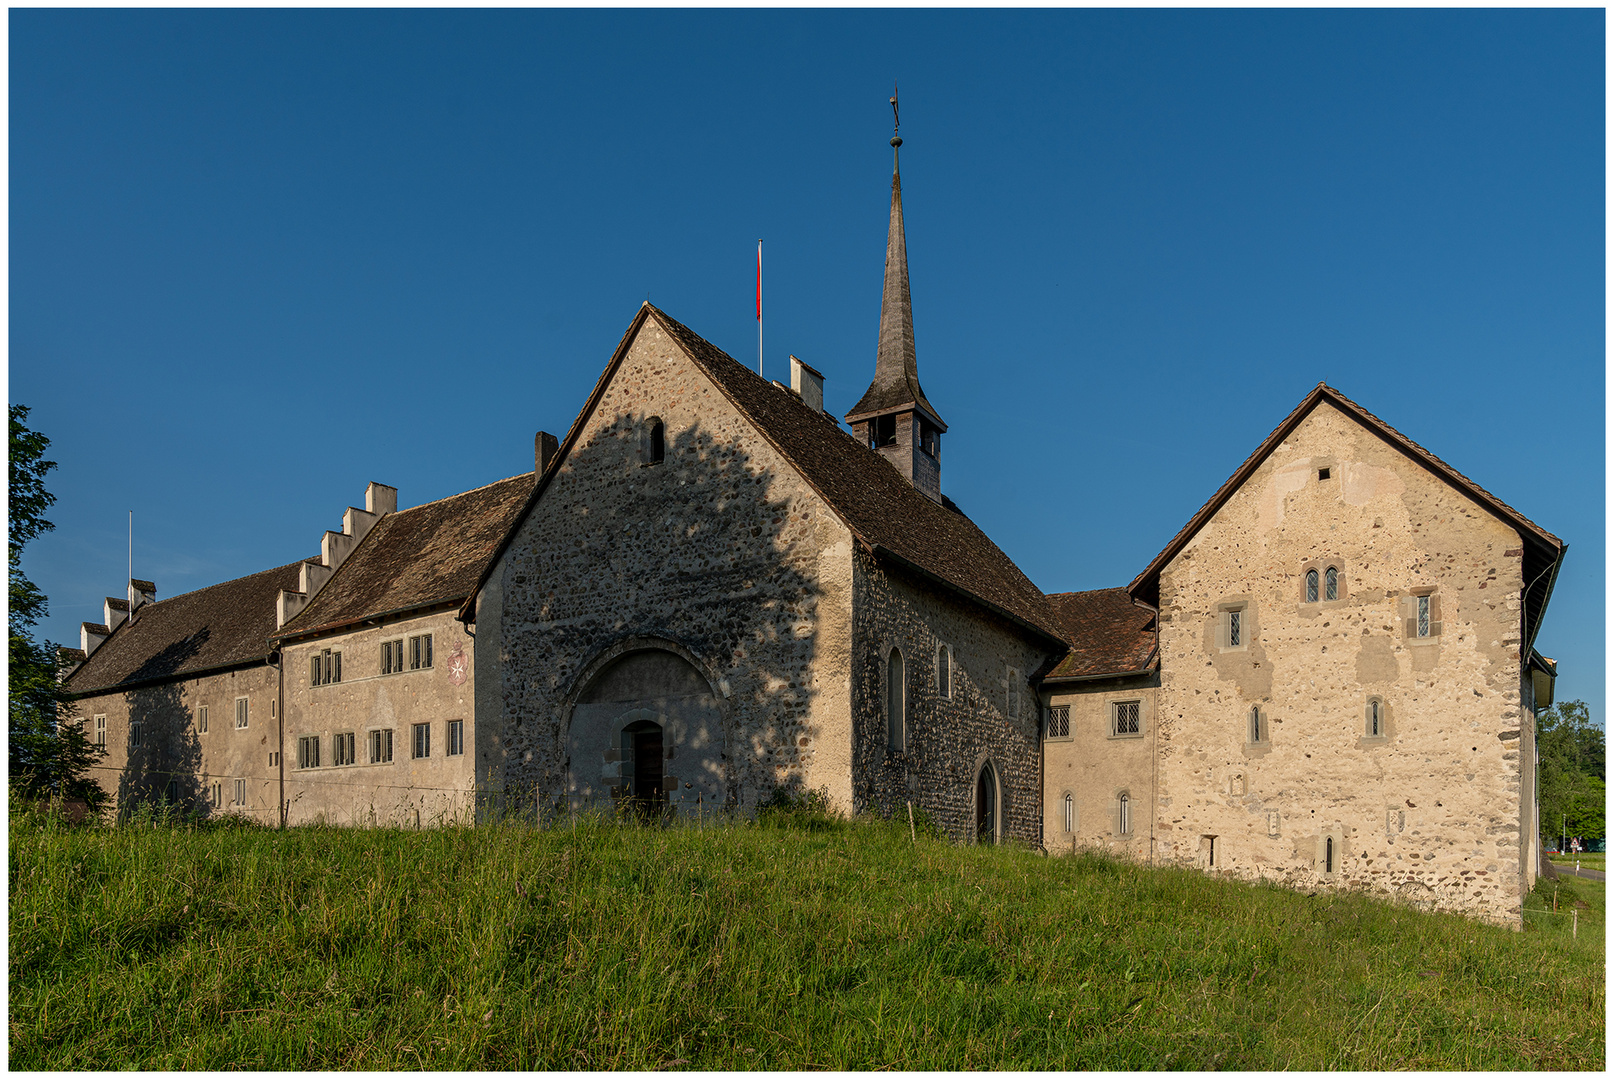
[{"x": 813, "y": 945}]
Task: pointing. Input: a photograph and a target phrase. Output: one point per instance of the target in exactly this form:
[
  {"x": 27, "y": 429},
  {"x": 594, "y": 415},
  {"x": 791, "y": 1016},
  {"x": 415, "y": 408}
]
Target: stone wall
[
  {"x": 719, "y": 552},
  {"x": 405, "y": 790},
  {"x": 173, "y": 748},
  {"x": 1429, "y": 810},
  {"x": 1095, "y": 766},
  {"x": 990, "y": 714}
]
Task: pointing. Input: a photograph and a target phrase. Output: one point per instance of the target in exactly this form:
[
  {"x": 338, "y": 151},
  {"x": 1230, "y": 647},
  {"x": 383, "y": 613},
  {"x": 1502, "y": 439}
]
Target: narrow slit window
[
  {"x": 201, "y": 718},
  {"x": 657, "y": 450},
  {"x": 1375, "y": 719},
  {"x": 1235, "y": 628},
  {"x": 1423, "y": 616},
  {"x": 1328, "y": 855},
  {"x": 1257, "y": 728},
  {"x": 1123, "y": 814},
  {"x": 1070, "y": 813},
  {"x": 896, "y": 703},
  {"x": 944, "y": 673},
  {"x": 134, "y": 733}
]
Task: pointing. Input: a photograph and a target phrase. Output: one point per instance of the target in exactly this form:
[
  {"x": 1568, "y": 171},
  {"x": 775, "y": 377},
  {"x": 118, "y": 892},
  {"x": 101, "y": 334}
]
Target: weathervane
[{"x": 896, "y": 121}]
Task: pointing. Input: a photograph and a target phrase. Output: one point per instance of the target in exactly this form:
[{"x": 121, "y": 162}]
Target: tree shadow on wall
[
  {"x": 166, "y": 766},
  {"x": 708, "y": 548}
]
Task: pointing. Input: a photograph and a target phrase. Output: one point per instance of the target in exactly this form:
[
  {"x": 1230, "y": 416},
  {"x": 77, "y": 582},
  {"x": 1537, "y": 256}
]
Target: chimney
[
  {"x": 380, "y": 499},
  {"x": 141, "y": 593},
  {"x": 808, "y": 383},
  {"x": 544, "y": 448}
]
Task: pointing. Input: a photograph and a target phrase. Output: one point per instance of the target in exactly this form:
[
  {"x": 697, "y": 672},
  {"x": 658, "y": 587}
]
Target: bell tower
[{"x": 893, "y": 416}]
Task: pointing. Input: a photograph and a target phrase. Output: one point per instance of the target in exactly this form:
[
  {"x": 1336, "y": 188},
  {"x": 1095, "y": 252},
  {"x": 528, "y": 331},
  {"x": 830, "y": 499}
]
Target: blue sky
[{"x": 259, "y": 258}]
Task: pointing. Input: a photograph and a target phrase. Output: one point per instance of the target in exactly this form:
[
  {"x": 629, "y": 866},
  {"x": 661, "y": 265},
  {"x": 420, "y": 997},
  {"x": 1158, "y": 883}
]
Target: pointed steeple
[
  {"x": 896, "y": 369},
  {"x": 893, "y": 417}
]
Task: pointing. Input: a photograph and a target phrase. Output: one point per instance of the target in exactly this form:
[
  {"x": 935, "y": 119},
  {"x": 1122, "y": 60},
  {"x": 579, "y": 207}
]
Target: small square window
[
  {"x": 1059, "y": 722},
  {"x": 1124, "y": 718},
  {"x": 1323, "y": 474},
  {"x": 456, "y": 738}
]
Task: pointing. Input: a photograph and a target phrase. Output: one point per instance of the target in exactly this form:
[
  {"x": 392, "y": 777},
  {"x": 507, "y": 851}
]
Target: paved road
[{"x": 1590, "y": 875}]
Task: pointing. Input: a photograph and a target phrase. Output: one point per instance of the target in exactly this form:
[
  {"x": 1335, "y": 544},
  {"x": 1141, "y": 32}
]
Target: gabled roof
[
  {"x": 426, "y": 556},
  {"x": 1109, "y": 634},
  {"x": 1543, "y": 552},
  {"x": 221, "y": 626},
  {"x": 887, "y": 515}
]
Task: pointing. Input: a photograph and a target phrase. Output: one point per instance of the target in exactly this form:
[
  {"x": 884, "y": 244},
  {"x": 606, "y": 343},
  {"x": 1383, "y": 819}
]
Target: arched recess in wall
[
  {"x": 646, "y": 725},
  {"x": 988, "y": 804}
]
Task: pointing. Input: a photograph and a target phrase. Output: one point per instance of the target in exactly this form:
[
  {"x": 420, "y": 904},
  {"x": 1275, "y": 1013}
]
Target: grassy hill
[{"x": 812, "y": 944}]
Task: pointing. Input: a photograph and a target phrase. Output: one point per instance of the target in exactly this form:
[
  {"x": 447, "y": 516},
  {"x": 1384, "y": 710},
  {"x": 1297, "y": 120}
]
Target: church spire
[
  {"x": 896, "y": 369},
  {"x": 893, "y": 418}
]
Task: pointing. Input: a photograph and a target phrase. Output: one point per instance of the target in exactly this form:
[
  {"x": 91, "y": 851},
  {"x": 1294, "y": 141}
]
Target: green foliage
[
  {"x": 1573, "y": 772},
  {"x": 595, "y": 944},
  {"x": 49, "y": 754}
]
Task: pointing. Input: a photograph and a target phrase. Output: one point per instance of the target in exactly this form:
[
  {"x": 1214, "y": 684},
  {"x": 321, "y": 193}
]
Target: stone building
[{"x": 710, "y": 590}]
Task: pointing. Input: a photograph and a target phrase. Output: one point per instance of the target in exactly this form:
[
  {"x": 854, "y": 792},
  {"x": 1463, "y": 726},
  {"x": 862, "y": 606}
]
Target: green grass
[
  {"x": 1588, "y": 860},
  {"x": 840, "y": 945}
]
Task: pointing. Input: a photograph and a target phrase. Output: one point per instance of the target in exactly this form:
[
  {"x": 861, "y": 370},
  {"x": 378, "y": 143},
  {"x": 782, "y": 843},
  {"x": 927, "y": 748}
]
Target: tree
[
  {"x": 1572, "y": 775},
  {"x": 49, "y": 754}
]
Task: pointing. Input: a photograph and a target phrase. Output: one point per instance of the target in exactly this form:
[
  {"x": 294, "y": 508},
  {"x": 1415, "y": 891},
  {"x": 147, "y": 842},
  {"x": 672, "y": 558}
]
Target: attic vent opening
[{"x": 1323, "y": 474}]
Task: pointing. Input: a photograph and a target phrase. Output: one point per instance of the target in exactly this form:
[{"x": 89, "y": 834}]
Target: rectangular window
[
  {"x": 272, "y": 708},
  {"x": 1423, "y": 616},
  {"x": 380, "y": 747},
  {"x": 343, "y": 750},
  {"x": 134, "y": 734},
  {"x": 423, "y": 740},
  {"x": 1235, "y": 628},
  {"x": 1059, "y": 722},
  {"x": 274, "y": 758},
  {"x": 456, "y": 738},
  {"x": 944, "y": 672},
  {"x": 324, "y": 668},
  {"x": 240, "y": 712},
  {"x": 201, "y": 718},
  {"x": 420, "y": 652},
  {"x": 391, "y": 657},
  {"x": 216, "y": 796},
  {"x": 1125, "y": 718},
  {"x": 100, "y": 731},
  {"x": 308, "y": 752},
  {"x": 240, "y": 793}
]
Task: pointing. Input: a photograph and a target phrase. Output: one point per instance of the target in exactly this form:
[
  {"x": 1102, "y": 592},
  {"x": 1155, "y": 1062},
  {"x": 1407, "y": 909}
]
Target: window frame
[
  {"x": 1313, "y": 586},
  {"x": 380, "y": 748},
  {"x": 243, "y": 713},
  {"x": 201, "y": 719},
  {"x": 241, "y": 792},
  {"x": 392, "y": 656},
  {"x": 420, "y": 742},
  {"x": 1115, "y": 709},
  {"x": 100, "y": 730},
  {"x": 1123, "y": 813},
  {"x": 344, "y": 749},
  {"x": 308, "y": 751},
  {"x": 134, "y": 734},
  {"x": 944, "y": 672},
  {"x": 456, "y": 739},
  {"x": 1057, "y": 729},
  {"x": 1257, "y": 727},
  {"x": 1067, "y": 804},
  {"x": 420, "y": 652},
  {"x": 1330, "y": 584},
  {"x": 896, "y": 702}
]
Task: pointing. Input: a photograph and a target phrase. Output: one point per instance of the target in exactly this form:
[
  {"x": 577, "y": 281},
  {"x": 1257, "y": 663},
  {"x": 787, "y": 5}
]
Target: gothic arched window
[
  {"x": 896, "y": 702},
  {"x": 1311, "y": 586},
  {"x": 1331, "y": 584}
]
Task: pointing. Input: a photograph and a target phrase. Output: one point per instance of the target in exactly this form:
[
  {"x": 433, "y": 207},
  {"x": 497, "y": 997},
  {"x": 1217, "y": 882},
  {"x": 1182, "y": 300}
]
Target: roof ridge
[
  {"x": 220, "y": 584},
  {"x": 458, "y": 494}
]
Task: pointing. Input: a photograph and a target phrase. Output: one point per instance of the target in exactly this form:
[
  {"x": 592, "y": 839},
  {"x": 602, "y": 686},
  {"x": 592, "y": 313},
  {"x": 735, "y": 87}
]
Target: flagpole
[{"x": 759, "y": 307}]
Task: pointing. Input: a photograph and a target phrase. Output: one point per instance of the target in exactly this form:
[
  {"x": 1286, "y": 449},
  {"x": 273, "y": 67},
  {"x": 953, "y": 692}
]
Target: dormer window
[{"x": 883, "y": 431}]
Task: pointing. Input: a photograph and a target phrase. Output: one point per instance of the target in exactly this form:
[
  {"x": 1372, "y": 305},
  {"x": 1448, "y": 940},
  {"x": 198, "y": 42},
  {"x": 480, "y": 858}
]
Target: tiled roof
[
  {"x": 882, "y": 509},
  {"x": 426, "y": 555},
  {"x": 1109, "y": 634},
  {"x": 1543, "y": 552},
  {"x": 220, "y": 626}
]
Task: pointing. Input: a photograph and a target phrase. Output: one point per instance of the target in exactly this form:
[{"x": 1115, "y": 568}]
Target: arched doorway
[
  {"x": 643, "y": 754},
  {"x": 986, "y": 805}
]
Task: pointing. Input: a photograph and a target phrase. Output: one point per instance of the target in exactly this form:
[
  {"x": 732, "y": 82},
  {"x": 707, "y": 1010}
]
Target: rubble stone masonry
[{"x": 1428, "y": 810}]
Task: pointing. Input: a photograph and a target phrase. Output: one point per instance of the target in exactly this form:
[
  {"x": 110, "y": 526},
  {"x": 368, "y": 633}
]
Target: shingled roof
[
  {"x": 221, "y": 626},
  {"x": 1109, "y": 634},
  {"x": 418, "y": 558},
  {"x": 885, "y": 512},
  {"x": 1543, "y": 552}
]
